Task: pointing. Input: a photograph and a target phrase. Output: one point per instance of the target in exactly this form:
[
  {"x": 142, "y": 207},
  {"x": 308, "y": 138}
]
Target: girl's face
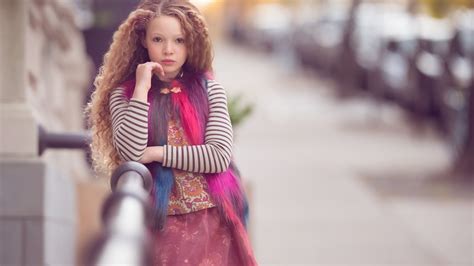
[{"x": 165, "y": 43}]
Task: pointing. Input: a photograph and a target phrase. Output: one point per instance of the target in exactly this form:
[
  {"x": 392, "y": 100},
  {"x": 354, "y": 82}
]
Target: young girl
[{"x": 156, "y": 103}]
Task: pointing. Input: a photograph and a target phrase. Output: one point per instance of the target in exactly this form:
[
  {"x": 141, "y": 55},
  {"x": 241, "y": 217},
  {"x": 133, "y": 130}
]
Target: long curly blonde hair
[{"x": 126, "y": 52}]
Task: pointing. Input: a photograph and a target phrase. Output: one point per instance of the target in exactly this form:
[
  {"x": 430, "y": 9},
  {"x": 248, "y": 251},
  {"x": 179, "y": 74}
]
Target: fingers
[
  {"x": 157, "y": 68},
  {"x": 160, "y": 69},
  {"x": 153, "y": 67}
]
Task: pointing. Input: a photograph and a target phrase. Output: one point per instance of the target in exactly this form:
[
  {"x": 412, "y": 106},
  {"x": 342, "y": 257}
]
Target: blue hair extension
[
  {"x": 244, "y": 215},
  {"x": 163, "y": 184},
  {"x": 158, "y": 136},
  {"x": 163, "y": 176}
]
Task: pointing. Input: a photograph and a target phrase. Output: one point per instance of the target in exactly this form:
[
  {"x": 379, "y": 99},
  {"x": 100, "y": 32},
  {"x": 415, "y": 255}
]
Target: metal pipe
[
  {"x": 126, "y": 216},
  {"x": 62, "y": 140}
]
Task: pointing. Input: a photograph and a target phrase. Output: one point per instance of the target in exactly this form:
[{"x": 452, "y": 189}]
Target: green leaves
[{"x": 237, "y": 110}]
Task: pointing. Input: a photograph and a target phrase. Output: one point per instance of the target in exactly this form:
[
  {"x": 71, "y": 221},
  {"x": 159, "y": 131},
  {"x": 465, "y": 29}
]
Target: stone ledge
[
  {"x": 29, "y": 189},
  {"x": 11, "y": 241}
]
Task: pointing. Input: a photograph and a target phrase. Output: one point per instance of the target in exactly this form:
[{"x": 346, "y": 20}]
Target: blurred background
[{"x": 353, "y": 120}]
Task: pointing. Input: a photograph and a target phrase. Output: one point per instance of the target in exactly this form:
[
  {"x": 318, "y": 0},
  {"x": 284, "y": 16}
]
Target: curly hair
[{"x": 126, "y": 52}]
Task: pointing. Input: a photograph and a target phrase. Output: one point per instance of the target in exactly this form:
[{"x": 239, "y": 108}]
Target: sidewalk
[{"x": 340, "y": 183}]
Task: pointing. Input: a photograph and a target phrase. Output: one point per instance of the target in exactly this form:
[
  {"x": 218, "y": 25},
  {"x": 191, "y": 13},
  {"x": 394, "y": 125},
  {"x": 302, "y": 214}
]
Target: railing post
[{"x": 62, "y": 140}]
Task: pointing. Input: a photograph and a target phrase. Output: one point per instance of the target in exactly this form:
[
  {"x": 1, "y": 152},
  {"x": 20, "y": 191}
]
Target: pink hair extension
[
  {"x": 239, "y": 234},
  {"x": 226, "y": 185},
  {"x": 189, "y": 118},
  {"x": 128, "y": 85}
]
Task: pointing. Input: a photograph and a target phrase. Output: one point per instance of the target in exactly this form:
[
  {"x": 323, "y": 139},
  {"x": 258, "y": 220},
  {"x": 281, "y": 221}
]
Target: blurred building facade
[{"x": 44, "y": 76}]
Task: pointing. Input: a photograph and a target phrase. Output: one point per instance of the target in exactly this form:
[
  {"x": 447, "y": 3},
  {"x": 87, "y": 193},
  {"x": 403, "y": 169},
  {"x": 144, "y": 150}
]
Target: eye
[
  {"x": 180, "y": 40},
  {"x": 157, "y": 39}
]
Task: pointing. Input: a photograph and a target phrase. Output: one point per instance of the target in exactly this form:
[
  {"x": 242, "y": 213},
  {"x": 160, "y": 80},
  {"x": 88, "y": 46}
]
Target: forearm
[
  {"x": 130, "y": 126},
  {"x": 196, "y": 158},
  {"x": 141, "y": 94},
  {"x": 152, "y": 154}
]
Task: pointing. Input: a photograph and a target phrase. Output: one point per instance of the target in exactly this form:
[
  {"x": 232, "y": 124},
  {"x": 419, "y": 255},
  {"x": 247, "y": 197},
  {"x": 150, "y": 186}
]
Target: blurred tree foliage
[
  {"x": 237, "y": 112},
  {"x": 440, "y": 8}
]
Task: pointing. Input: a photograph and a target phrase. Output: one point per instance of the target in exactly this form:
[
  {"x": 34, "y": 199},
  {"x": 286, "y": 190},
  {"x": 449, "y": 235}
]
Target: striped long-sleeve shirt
[{"x": 130, "y": 134}]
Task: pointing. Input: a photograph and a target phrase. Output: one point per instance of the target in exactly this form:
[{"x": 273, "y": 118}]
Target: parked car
[
  {"x": 304, "y": 38},
  {"x": 318, "y": 43},
  {"x": 381, "y": 50},
  {"x": 459, "y": 74}
]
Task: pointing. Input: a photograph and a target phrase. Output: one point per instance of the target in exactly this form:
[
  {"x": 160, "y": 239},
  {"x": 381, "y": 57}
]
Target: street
[{"x": 340, "y": 182}]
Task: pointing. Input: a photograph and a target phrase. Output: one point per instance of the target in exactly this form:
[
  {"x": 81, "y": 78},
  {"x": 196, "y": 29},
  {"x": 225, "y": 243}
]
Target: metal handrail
[
  {"x": 49, "y": 140},
  {"x": 126, "y": 215}
]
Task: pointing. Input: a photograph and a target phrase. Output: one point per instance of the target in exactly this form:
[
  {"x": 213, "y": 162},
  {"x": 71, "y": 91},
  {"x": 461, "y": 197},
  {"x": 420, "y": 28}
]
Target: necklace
[{"x": 172, "y": 90}]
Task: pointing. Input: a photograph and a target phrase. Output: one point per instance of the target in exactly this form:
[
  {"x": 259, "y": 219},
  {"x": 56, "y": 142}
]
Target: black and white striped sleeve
[
  {"x": 129, "y": 124},
  {"x": 215, "y": 154}
]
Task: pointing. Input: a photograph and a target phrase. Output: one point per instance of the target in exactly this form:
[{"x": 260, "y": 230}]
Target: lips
[{"x": 167, "y": 61}]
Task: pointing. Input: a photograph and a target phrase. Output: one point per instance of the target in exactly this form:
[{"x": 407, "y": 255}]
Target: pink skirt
[{"x": 200, "y": 238}]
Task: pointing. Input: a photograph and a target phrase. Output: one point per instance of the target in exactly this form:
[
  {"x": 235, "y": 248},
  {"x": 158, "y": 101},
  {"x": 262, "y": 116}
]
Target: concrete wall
[{"x": 43, "y": 79}]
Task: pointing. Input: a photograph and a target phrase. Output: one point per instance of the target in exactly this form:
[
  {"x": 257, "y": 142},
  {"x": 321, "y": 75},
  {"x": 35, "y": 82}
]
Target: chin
[{"x": 171, "y": 70}]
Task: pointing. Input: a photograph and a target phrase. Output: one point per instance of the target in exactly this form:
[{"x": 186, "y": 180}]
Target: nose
[{"x": 168, "y": 48}]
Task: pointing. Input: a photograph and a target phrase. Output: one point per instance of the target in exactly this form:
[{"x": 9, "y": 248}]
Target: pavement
[{"x": 340, "y": 182}]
